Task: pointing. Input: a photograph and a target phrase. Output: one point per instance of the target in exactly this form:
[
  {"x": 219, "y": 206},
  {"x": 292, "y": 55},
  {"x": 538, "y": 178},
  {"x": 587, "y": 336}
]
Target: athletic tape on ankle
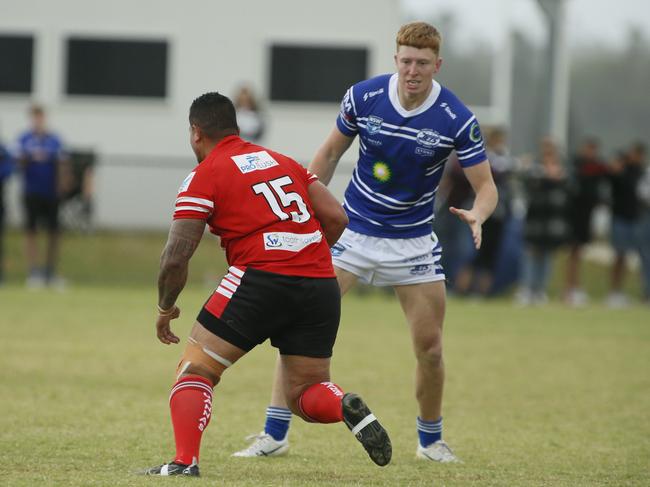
[{"x": 363, "y": 423}]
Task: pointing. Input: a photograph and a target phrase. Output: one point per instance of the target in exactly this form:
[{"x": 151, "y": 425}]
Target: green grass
[
  {"x": 542, "y": 396},
  {"x": 119, "y": 259}
]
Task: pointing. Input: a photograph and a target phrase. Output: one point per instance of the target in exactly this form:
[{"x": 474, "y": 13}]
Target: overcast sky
[{"x": 588, "y": 20}]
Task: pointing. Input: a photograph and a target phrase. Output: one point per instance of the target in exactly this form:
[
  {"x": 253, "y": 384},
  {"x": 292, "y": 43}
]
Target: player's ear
[
  {"x": 437, "y": 65},
  {"x": 195, "y": 133}
]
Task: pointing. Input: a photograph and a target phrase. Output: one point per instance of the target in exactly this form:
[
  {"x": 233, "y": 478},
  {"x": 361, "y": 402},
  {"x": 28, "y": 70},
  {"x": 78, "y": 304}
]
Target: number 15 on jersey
[{"x": 278, "y": 199}]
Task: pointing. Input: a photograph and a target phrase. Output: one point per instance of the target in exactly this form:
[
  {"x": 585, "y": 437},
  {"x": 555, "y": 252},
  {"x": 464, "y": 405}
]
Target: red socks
[
  {"x": 322, "y": 403},
  {"x": 190, "y": 403}
]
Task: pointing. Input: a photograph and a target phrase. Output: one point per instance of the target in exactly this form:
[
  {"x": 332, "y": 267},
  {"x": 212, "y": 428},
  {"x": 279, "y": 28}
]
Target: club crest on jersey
[
  {"x": 374, "y": 124},
  {"x": 254, "y": 161},
  {"x": 428, "y": 138}
]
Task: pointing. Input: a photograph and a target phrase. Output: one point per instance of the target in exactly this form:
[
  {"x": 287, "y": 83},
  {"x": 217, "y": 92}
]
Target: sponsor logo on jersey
[
  {"x": 271, "y": 240},
  {"x": 420, "y": 270},
  {"x": 447, "y": 108},
  {"x": 186, "y": 182},
  {"x": 428, "y": 138},
  {"x": 475, "y": 132},
  {"x": 254, "y": 161},
  {"x": 370, "y": 94},
  {"x": 374, "y": 142},
  {"x": 374, "y": 124},
  {"x": 381, "y": 171},
  {"x": 421, "y": 151},
  {"x": 291, "y": 242}
]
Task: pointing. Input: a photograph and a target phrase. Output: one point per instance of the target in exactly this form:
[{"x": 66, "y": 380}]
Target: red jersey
[{"x": 257, "y": 201}]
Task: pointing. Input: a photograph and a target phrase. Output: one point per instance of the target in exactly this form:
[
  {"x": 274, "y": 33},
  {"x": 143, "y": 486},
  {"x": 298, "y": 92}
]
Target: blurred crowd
[
  {"x": 548, "y": 203},
  {"x": 57, "y": 187}
]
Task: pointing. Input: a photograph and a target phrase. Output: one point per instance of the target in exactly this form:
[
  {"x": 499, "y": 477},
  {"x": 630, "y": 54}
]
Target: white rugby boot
[
  {"x": 437, "y": 452},
  {"x": 263, "y": 445}
]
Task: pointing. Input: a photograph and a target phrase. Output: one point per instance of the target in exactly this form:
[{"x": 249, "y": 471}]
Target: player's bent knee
[
  {"x": 292, "y": 398},
  {"x": 199, "y": 360},
  {"x": 431, "y": 355}
]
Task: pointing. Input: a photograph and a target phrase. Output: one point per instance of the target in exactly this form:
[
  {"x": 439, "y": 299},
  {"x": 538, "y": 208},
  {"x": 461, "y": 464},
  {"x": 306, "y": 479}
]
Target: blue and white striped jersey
[{"x": 402, "y": 155}]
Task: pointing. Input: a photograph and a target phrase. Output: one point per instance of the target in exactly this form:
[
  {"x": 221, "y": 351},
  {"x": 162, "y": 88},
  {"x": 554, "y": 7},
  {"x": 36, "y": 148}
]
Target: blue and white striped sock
[
  {"x": 429, "y": 431},
  {"x": 277, "y": 422}
]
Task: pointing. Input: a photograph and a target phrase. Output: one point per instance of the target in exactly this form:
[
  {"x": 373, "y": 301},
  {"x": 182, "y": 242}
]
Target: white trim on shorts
[{"x": 389, "y": 261}]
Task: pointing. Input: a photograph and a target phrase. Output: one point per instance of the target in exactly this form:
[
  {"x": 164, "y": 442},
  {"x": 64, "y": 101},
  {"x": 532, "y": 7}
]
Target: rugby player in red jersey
[{"x": 276, "y": 222}]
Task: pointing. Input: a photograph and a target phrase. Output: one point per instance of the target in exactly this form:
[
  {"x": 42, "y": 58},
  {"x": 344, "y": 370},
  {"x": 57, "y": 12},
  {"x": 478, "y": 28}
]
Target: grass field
[{"x": 541, "y": 396}]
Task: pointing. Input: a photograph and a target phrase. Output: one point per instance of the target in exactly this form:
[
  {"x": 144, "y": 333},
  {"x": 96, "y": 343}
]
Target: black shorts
[
  {"x": 580, "y": 221},
  {"x": 486, "y": 256},
  {"x": 40, "y": 210},
  {"x": 300, "y": 315}
]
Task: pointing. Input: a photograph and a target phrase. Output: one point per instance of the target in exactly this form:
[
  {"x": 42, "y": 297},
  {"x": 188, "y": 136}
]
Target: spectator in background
[
  {"x": 41, "y": 160},
  {"x": 625, "y": 175},
  {"x": 478, "y": 275},
  {"x": 546, "y": 226},
  {"x": 589, "y": 175},
  {"x": 76, "y": 202},
  {"x": 249, "y": 117},
  {"x": 6, "y": 168},
  {"x": 454, "y": 191},
  {"x": 644, "y": 231}
]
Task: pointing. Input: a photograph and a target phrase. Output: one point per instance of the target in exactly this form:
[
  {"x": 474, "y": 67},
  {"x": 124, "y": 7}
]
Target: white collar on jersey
[{"x": 394, "y": 98}]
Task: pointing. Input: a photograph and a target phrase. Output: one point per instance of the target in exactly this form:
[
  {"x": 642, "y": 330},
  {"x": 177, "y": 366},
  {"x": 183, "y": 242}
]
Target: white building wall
[{"x": 213, "y": 45}]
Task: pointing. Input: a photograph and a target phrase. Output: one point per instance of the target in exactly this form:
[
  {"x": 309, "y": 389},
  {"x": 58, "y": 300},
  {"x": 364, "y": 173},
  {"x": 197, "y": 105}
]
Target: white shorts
[{"x": 389, "y": 261}]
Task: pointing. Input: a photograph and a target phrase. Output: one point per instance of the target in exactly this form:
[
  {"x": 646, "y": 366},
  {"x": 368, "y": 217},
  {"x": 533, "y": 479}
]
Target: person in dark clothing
[
  {"x": 588, "y": 179},
  {"x": 455, "y": 191},
  {"x": 478, "y": 275},
  {"x": 6, "y": 168},
  {"x": 626, "y": 173},
  {"x": 644, "y": 231},
  {"x": 42, "y": 162},
  {"x": 546, "y": 226}
]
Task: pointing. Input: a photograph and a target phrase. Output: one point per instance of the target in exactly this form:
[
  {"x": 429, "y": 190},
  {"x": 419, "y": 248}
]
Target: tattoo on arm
[{"x": 184, "y": 238}]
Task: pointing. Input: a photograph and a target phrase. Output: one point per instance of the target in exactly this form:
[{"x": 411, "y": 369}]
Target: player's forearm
[
  {"x": 323, "y": 165},
  {"x": 184, "y": 238},
  {"x": 171, "y": 281},
  {"x": 486, "y": 200},
  {"x": 333, "y": 229}
]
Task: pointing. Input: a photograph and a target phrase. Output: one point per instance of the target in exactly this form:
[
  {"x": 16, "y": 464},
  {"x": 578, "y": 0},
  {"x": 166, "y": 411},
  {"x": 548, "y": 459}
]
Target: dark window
[
  {"x": 16, "y": 55},
  {"x": 124, "y": 67},
  {"x": 320, "y": 74}
]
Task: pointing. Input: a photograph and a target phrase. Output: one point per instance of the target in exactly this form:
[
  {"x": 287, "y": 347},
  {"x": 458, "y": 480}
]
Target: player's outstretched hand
[
  {"x": 474, "y": 223},
  {"x": 163, "y": 330}
]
